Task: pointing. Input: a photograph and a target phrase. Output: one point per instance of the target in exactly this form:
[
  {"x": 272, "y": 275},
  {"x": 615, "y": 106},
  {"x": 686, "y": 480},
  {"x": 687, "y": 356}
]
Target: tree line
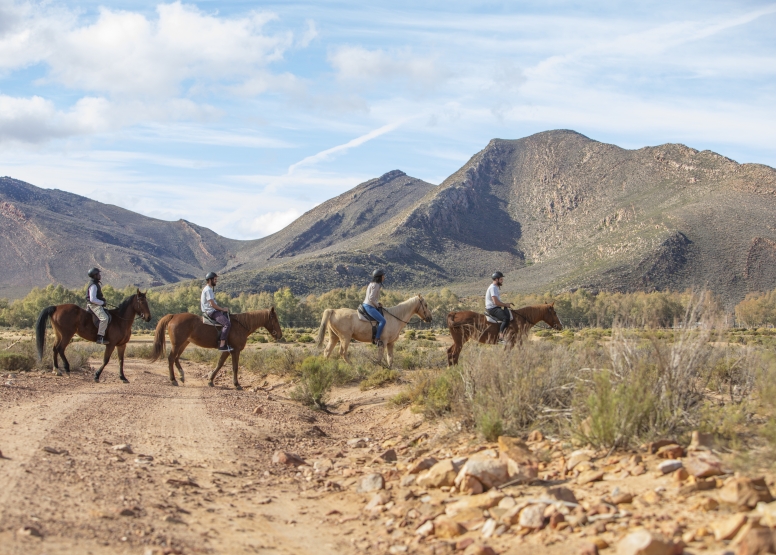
[{"x": 576, "y": 309}]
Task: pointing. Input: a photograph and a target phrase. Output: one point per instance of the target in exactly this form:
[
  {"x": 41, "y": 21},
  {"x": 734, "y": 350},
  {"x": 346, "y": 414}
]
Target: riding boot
[{"x": 101, "y": 340}]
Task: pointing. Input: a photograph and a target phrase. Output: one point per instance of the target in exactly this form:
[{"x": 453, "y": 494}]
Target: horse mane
[
  {"x": 124, "y": 304},
  {"x": 255, "y": 318},
  {"x": 533, "y": 313}
]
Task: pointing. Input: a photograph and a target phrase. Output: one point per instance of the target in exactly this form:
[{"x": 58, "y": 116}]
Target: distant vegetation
[{"x": 580, "y": 309}]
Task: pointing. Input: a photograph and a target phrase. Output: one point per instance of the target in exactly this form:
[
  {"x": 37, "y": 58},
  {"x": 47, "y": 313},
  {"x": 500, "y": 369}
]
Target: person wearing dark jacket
[{"x": 95, "y": 301}]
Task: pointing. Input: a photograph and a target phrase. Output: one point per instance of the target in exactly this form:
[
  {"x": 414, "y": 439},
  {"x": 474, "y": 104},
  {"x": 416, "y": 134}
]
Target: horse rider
[
  {"x": 95, "y": 301},
  {"x": 372, "y": 303},
  {"x": 215, "y": 312},
  {"x": 493, "y": 304}
]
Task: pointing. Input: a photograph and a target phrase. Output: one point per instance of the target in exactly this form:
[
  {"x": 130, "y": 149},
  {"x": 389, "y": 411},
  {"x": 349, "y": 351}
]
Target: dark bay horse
[
  {"x": 188, "y": 328},
  {"x": 467, "y": 324},
  {"x": 70, "y": 319}
]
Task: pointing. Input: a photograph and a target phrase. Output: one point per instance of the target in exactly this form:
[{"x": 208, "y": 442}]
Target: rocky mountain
[{"x": 555, "y": 210}]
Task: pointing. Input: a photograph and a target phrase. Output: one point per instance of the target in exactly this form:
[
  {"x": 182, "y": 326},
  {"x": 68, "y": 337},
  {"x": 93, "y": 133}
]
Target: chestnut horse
[
  {"x": 70, "y": 319},
  {"x": 467, "y": 324},
  {"x": 344, "y": 326},
  {"x": 188, "y": 328}
]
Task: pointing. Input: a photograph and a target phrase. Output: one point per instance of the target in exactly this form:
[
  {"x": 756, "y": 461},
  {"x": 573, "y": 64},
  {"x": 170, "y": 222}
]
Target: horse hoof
[
  {"x": 174, "y": 382},
  {"x": 211, "y": 384},
  {"x": 96, "y": 378},
  {"x": 238, "y": 387},
  {"x": 57, "y": 373},
  {"x": 125, "y": 380}
]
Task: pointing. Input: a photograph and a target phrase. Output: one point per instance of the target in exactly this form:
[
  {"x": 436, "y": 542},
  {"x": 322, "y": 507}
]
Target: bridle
[{"x": 400, "y": 320}]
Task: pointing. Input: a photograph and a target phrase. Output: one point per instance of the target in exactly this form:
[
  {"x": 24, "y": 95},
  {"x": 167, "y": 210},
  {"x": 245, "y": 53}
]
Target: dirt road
[{"x": 199, "y": 478}]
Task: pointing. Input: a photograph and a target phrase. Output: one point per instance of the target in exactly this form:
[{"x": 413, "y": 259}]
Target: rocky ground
[{"x": 147, "y": 468}]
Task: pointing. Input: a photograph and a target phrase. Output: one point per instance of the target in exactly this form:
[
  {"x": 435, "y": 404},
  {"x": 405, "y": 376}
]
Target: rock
[
  {"x": 421, "y": 464},
  {"x": 643, "y": 542},
  {"x": 666, "y": 467},
  {"x": 479, "y": 549},
  {"x": 481, "y": 501},
  {"x": 471, "y": 486},
  {"x": 588, "y": 549},
  {"x": 532, "y": 516},
  {"x": 463, "y": 543},
  {"x": 672, "y": 451},
  {"x": 288, "y": 459},
  {"x": 54, "y": 451},
  {"x": 701, "y": 442},
  {"x": 638, "y": 469},
  {"x": 515, "y": 449},
  {"x": 600, "y": 543},
  {"x": 590, "y": 476},
  {"x": 388, "y": 456},
  {"x": 561, "y": 494},
  {"x": 127, "y": 512},
  {"x": 489, "y": 472},
  {"x": 371, "y": 482},
  {"x": 507, "y": 503},
  {"x": 745, "y": 492},
  {"x": 653, "y": 447},
  {"x": 757, "y": 541},
  {"x": 680, "y": 475},
  {"x": 535, "y": 435},
  {"x": 125, "y": 447},
  {"x": 706, "y": 504},
  {"x": 489, "y": 527},
  {"x": 581, "y": 455},
  {"x": 257, "y": 410},
  {"x": 441, "y": 474},
  {"x": 380, "y": 498},
  {"x": 556, "y": 519},
  {"x": 358, "y": 442},
  {"x": 29, "y": 531},
  {"x": 768, "y": 512},
  {"x": 703, "y": 465},
  {"x": 407, "y": 481},
  {"x": 622, "y": 498},
  {"x": 446, "y": 527},
  {"x": 726, "y": 529},
  {"x": 425, "y": 529}
]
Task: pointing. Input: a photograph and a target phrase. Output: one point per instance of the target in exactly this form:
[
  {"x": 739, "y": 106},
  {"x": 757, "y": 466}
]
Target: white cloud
[
  {"x": 267, "y": 223},
  {"x": 35, "y": 119},
  {"x": 358, "y": 64}
]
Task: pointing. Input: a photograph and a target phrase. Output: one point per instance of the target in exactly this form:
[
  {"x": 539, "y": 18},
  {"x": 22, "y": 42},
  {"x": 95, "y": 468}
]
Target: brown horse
[
  {"x": 188, "y": 328},
  {"x": 467, "y": 324},
  {"x": 70, "y": 319}
]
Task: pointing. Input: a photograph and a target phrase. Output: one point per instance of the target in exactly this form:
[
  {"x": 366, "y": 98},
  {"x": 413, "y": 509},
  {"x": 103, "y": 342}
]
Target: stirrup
[
  {"x": 225, "y": 349},
  {"x": 101, "y": 340}
]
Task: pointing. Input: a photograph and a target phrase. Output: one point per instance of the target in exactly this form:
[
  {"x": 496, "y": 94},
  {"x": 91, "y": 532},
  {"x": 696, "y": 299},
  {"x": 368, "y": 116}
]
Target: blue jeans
[{"x": 374, "y": 313}]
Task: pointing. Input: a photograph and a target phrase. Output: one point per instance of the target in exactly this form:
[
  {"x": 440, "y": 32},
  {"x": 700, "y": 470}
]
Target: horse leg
[
  {"x": 120, "y": 350},
  {"x": 389, "y": 356},
  {"x": 175, "y": 359},
  {"x": 55, "y": 353},
  {"x": 333, "y": 340},
  {"x": 221, "y": 361},
  {"x": 106, "y": 357},
  {"x": 344, "y": 349},
  {"x": 235, "y": 365}
]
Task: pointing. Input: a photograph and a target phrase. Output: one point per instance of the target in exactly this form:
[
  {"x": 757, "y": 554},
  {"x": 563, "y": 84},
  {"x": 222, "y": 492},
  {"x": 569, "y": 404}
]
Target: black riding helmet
[
  {"x": 210, "y": 276},
  {"x": 496, "y": 275},
  {"x": 377, "y": 274},
  {"x": 93, "y": 272}
]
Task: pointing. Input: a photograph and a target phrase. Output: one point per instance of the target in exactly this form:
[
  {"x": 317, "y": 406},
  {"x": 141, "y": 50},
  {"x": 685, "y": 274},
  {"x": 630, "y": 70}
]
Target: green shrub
[
  {"x": 305, "y": 338},
  {"x": 490, "y": 425},
  {"x": 410, "y": 334},
  {"x": 15, "y": 362},
  {"x": 380, "y": 378},
  {"x": 316, "y": 381}
]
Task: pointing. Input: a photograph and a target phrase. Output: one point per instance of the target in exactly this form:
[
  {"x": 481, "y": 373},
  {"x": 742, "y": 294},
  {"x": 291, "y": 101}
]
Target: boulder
[
  {"x": 757, "y": 541},
  {"x": 532, "y": 516},
  {"x": 726, "y": 529},
  {"x": 371, "y": 482},
  {"x": 703, "y": 465},
  {"x": 481, "y": 501},
  {"x": 745, "y": 492},
  {"x": 666, "y": 467},
  {"x": 672, "y": 451},
  {"x": 490, "y": 472},
  {"x": 643, "y": 542},
  {"x": 577, "y": 457},
  {"x": 441, "y": 474},
  {"x": 421, "y": 464},
  {"x": 471, "y": 486},
  {"x": 425, "y": 529},
  {"x": 446, "y": 527},
  {"x": 590, "y": 476},
  {"x": 561, "y": 494}
]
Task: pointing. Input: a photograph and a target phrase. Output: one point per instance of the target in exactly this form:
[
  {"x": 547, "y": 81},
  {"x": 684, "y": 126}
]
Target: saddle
[
  {"x": 209, "y": 321},
  {"x": 97, "y": 320},
  {"x": 364, "y": 316},
  {"x": 492, "y": 320}
]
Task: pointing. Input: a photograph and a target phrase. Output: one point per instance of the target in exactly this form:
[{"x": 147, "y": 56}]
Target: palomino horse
[
  {"x": 188, "y": 328},
  {"x": 70, "y": 319},
  {"x": 344, "y": 325},
  {"x": 466, "y": 325}
]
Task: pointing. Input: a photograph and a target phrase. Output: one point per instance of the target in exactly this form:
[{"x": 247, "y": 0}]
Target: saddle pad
[
  {"x": 492, "y": 320},
  {"x": 209, "y": 322}
]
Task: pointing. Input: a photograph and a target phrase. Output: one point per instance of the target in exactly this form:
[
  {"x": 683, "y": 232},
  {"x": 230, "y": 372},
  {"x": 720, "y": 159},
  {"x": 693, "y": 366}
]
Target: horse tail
[
  {"x": 40, "y": 329},
  {"x": 324, "y": 323},
  {"x": 159, "y": 337}
]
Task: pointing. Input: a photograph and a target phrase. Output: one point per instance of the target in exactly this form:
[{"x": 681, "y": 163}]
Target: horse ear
[
  {"x": 420, "y": 296},
  {"x": 552, "y": 304},
  {"x": 272, "y": 309}
]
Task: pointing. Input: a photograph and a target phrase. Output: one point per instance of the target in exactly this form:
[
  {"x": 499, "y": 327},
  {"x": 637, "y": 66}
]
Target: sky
[{"x": 241, "y": 116}]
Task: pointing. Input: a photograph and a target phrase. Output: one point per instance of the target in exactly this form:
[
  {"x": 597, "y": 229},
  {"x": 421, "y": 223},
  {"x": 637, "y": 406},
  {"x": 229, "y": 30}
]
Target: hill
[{"x": 555, "y": 210}]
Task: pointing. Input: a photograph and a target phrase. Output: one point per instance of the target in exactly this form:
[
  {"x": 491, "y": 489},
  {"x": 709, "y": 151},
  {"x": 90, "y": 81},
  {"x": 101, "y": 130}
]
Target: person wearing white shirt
[
  {"x": 219, "y": 314},
  {"x": 493, "y": 305},
  {"x": 95, "y": 301}
]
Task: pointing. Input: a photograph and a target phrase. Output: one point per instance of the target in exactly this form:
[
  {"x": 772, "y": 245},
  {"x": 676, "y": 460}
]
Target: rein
[{"x": 399, "y": 319}]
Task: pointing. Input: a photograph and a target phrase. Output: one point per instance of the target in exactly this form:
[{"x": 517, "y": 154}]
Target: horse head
[
  {"x": 423, "y": 311},
  {"x": 141, "y": 306},
  {"x": 550, "y": 317},
  {"x": 273, "y": 325}
]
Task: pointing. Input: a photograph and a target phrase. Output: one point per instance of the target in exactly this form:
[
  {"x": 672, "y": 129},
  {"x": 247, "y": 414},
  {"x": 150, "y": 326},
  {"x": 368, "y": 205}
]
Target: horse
[
  {"x": 344, "y": 325},
  {"x": 188, "y": 328},
  {"x": 467, "y": 324},
  {"x": 70, "y": 319}
]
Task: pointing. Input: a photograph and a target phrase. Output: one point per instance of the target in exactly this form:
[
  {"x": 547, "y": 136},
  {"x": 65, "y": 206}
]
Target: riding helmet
[
  {"x": 93, "y": 272},
  {"x": 378, "y": 273},
  {"x": 496, "y": 275},
  {"x": 210, "y": 276}
]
